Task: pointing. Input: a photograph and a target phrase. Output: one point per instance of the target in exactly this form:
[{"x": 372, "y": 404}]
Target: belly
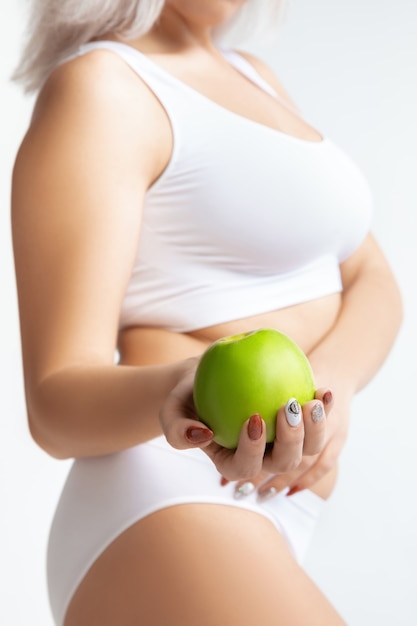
[{"x": 305, "y": 323}]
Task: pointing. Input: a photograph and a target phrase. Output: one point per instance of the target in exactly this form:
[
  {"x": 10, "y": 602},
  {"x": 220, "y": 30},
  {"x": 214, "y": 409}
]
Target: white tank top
[{"x": 245, "y": 219}]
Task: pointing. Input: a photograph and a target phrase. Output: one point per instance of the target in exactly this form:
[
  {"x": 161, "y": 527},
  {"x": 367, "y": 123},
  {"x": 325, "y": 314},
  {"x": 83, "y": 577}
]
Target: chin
[{"x": 207, "y": 12}]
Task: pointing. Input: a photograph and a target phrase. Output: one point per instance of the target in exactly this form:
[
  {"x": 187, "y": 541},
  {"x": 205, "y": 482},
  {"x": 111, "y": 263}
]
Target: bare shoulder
[
  {"x": 98, "y": 79},
  {"x": 266, "y": 72},
  {"x": 91, "y": 102}
]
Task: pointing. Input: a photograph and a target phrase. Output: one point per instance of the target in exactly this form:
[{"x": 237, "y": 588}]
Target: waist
[{"x": 306, "y": 323}]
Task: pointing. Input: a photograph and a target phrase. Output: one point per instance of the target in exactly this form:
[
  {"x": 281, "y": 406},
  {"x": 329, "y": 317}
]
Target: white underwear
[{"x": 105, "y": 495}]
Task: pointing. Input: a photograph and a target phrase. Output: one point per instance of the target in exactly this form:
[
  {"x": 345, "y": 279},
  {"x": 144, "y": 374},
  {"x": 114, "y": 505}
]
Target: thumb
[{"x": 179, "y": 419}]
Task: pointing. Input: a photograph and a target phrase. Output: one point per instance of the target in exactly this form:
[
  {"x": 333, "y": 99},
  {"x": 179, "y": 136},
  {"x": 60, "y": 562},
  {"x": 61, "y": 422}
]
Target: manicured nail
[
  {"x": 255, "y": 427},
  {"x": 294, "y": 490},
  {"x": 268, "y": 494},
  {"x": 293, "y": 412},
  {"x": 224, "y": 481},
  {"x": 327, "y": 397},
  {"x": 244, "y": 490},
  {"x": 317, "y": 412},
  {"x": 198, "y": 435}
]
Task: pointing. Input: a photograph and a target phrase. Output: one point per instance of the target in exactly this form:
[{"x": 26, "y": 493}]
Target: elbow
[
  {"x": 48, "y": 418},
  {"x": 44, "y": 436}
]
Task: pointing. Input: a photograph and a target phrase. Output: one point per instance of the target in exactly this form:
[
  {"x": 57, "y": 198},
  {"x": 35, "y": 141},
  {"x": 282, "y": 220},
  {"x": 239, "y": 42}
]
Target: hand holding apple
[{"x": 253, "y": 372}]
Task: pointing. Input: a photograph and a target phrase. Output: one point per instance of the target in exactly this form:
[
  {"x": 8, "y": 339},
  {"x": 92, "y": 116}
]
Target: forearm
[
  {"x": 368, "y": 323},
  {"x": 94, "y": 410}
]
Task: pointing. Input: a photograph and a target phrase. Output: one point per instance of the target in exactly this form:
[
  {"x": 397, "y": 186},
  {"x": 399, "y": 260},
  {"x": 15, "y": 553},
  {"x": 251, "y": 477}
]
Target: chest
[{"x": 241, "y": 194}]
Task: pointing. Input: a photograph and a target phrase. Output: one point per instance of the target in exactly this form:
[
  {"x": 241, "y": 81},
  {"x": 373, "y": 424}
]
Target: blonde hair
[{"x": 56, "y": 28}]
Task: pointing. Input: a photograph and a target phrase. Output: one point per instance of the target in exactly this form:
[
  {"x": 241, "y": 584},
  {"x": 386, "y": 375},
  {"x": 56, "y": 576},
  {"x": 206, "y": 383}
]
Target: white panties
[{"x": 105, "y": 495}]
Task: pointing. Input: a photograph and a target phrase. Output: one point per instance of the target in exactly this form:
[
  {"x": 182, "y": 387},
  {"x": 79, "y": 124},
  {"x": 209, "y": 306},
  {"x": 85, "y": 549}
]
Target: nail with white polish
[
  {"x": 268, "y": 494},
  {"x": 293, "y": 412},
  {"x": 317, "y": 412},
  {"x": 244, "y": 490}
]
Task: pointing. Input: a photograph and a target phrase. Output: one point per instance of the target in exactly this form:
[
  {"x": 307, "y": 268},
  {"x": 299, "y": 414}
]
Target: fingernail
[
  {"x": 327, "y": 397},
  {"x": 268, "y": 494},
  {"x": 294, "y": 490},
  {"x": 244, "y": 490},
  {"x": 198, "y": 435},
  {"x": 224, "y": 481},
  {"x": 255, "y": 427},
  {"x": 293, "y": 412},
  {"x": 317, "y": 412}
]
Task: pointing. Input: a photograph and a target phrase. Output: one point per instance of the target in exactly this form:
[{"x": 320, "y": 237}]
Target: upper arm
[{"x": 78, "y": 186}]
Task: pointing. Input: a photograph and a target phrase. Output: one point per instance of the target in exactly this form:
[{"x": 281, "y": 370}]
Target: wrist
[
  {"x": 180, "y": 369},
  {"x": 330, "y": 374}
]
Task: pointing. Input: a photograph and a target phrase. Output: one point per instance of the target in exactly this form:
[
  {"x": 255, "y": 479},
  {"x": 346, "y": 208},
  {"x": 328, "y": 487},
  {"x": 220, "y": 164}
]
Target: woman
[{"x": 168, "y": 193}]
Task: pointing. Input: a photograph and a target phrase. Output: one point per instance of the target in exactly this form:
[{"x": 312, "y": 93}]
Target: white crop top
[{"x": 245, "y": 219}]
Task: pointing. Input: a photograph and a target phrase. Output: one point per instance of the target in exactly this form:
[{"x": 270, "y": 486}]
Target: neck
[
  {"x": 180, "y": 33},
  {"x": 176, "y": 33}
]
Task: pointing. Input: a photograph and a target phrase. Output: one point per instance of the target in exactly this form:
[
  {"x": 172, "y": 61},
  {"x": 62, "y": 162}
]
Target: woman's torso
[
  {"x": 306, "y": 321},
  {"x": 194, "y": 90}
]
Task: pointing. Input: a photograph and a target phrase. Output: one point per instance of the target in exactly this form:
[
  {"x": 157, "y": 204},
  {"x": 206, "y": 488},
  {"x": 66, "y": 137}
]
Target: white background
[{"x": 352, "y": 68}]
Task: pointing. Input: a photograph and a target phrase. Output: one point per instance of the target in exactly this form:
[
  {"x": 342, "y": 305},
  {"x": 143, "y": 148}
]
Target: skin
[{"x": 78, "y": 189}]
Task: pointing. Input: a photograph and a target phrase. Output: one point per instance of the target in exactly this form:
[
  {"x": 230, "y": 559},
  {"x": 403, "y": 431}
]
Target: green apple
[{"x": 253, "y": 372}]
